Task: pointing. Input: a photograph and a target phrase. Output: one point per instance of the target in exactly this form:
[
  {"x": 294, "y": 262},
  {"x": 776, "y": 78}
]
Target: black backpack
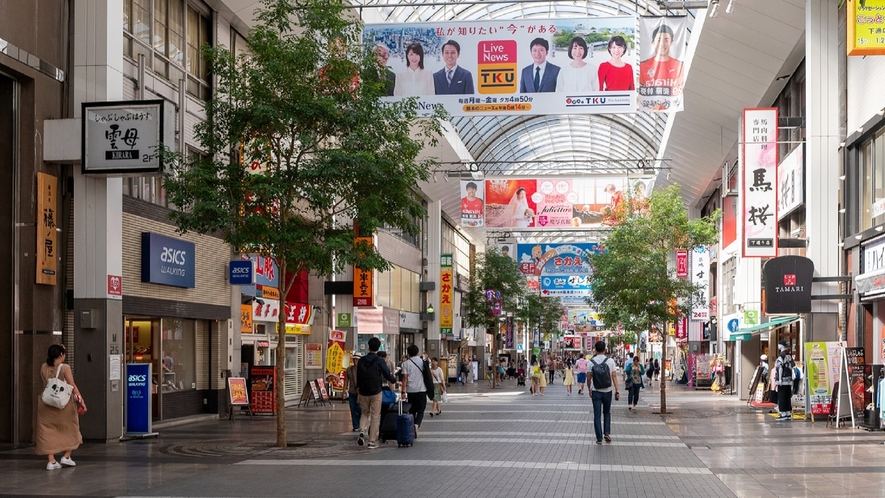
[
  {"x": 787, "y": 368},
  {"x": 601, "y": 374},
  {"x": 428, "y": 378},
  {"x": 368, "y": 376}
]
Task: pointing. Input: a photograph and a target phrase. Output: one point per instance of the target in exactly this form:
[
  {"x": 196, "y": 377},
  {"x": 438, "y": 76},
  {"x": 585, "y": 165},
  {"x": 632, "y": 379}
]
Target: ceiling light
[
  {"x": 730, "y": 8},
  {"x": 879, "y": 228},
  {"x": 842, "y": 178},
  {"x": 714, "y": 8},
  {"x": 842, "y": 211},
  {"x": 858, "y": 236},
  {"x": 841, "y": 145}
]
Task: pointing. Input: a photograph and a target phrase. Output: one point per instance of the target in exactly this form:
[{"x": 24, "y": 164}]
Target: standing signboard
[
  {"x": 263, "y": 389},
  {"x": 138, "y": 399},
  {"x": 239, "y": 395}
]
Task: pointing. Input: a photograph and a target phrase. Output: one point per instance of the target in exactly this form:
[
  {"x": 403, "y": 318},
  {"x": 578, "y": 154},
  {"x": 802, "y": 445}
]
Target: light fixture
[
  {"x": 842, "y": 211},
  {"x": 881, "y": 112},
  {"x": 841, "y": 145},
  {"x": 730, "y": 8},
  {"x": 668, "y": 176},
  {"x": 429, "y": 309},
  {"x": 858, "y": 236},
  {"x": 714, "y": 8},
  {"x": 477, "y": 175},
  {"x": 879, "y": 228},
  {"x": 859, "y": 130},
  {"x": 842, "y": 178}
]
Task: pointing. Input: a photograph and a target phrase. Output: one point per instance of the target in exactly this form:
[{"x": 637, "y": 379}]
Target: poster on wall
[
  {"x": 661, "y": 66},
  {"x": 313, "y": 355},
  {"x": 518, "y": 67}
]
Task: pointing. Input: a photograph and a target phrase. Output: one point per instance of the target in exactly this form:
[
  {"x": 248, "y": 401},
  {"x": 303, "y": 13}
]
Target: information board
[
  {"x": 263, "y": 381},
  {"x": 138, "y": 398}
]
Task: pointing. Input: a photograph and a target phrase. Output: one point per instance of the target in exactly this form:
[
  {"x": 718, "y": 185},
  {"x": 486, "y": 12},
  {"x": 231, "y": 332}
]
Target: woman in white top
[
  {"x": 577, "y": 76},
  {"x": 414, "y": 81},
  {"x": 439, "y": 386}
]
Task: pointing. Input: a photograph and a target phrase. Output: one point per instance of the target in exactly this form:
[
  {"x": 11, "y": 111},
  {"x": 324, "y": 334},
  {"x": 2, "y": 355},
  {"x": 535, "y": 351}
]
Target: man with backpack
[
  {"x": 603, "y": 381},
  {"x": 369, "y": 372},
  {"x": 783, "y": 379},
  {"x": 416, "y": 371}
]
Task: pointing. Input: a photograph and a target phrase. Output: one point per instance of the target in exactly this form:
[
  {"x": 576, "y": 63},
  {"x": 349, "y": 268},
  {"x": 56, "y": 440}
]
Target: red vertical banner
[
  {"x": 682, "y": 327},
  {"x": 681, "y": 263},
  {"x": 363, "y": 284}
]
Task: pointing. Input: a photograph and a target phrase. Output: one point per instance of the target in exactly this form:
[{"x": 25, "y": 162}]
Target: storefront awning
[{"x": 746, "y": 333}]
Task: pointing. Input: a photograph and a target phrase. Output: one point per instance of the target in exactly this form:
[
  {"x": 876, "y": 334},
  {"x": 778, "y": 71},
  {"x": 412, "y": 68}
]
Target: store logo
[{"x": 790, "y": 279}]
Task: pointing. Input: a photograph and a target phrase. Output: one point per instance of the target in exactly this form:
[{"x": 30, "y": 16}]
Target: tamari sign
[{"x": 121, "y": 138}]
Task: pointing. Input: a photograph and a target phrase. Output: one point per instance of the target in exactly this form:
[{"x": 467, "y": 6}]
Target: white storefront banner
[
  {"x": 759, "y": 183},
  {"x": 791, "y": 182},
  {"x": 700, "y": 276}
]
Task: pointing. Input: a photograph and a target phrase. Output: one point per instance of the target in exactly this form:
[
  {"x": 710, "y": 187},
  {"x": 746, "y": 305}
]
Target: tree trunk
[
  {"x": 494, "y": 352},
  {"x": 282, "y": 437},
  {"x": 663, "y": 369}
]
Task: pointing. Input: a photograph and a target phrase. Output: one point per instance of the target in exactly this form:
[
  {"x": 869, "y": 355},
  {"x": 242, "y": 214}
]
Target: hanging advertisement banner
[
  {"x": 583, "y": 320},
  {"x": 335, "y": 359},
  {"x": 563, "y": 269},
  {"x": 520, "y": 67},
  {"x": 661, "y": 70},
  {"x": 47, "y": 235},
  {"x": 509, "y": 337},
  {"x": 472, "y": 206},
  {"x": 791, "y": 182},
  {"x": 681, "y": 263},
  {"x": 363, "y": 284},
  {"x": 446, "y": 294},
  {"x": 865, "y": 27},
  {"x": 508, "y": 250},
  {"x": 759, "y": 182},
  {"x": 682, "y": 328},
  {"x": 559, "y": 203},
  {"x": 700, "y": 268}
]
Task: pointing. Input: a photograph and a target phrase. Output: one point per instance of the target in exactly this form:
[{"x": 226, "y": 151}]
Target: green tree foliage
[
  {"x": 496, "y": 272},
  {"x": 632, "y": 281},
  {"x": 298, "y": 145},
  {"x": 545, "y": 313}
]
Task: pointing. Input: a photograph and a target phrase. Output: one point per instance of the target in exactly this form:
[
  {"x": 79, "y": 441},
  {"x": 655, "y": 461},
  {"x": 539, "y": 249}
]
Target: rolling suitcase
[
  {"x": 389, "y": 414},
  {"x": 405, "y": 428}
]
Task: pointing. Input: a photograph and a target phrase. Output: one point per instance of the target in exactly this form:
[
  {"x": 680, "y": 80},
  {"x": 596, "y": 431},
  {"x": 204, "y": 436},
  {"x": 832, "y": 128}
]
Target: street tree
[
  {"x": 298, "y": 148},
  {"x": 541, "y": 313},
  {"x": 496, "y": 286},
  {"x": 633, "y": 282}
]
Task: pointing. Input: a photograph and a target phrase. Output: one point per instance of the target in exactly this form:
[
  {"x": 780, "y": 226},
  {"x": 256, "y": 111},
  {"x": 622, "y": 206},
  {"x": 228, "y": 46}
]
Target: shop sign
[
  {"x": 409, "y": 320},
  {"x": 241, "y": 272},
  {"x": 390, "y": 321},
  {"x": 263, "y": 344},
  {"x": 138, "y": 398},
  {"x": 759, "y": 181},
  {"x": 267, "y": 292},
  {"x": 791, "y": 182},
  {"x": 47, "y": 235},
  {"x": 265, "y": 311},
  {"x": 335, "y": 370},
  {"x": 115, "y": 286},
  {"x": 245, "y": 319},
  {"x": 446, "y": 294},
  {"x": 344, "y": 320},
  {"x": 237, "y": 390},
  {"x": 167, "y": 261},
  {"x": 865, "y": 23},
  {"x": 370, "y": 321},
  {"x": 682, "y": 327},
  {"x": 751, "y": 317},
  {"x": 681, "y": 263},
  {"x": 700, "y": 267},
  {"x": 297, "y": 329},
  {"x": 298, "y": 313},
  {"x": 121, "y": 138},
  {"x": 264, "y": 383},
  {"x": 788, "y": 284},
  {"x": 363, "y": 282}
]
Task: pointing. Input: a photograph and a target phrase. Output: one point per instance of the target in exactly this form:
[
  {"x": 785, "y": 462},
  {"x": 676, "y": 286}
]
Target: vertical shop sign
[
  {"x": 335, "y": 359},
  {"x": 245, "y": 319},
  {"x": 47, "y": 238},
  {"x": 138, "y": 398},
  {"x": 363, "y": 285},
  {"x": 446, "y": 294},
  {"x": 509, "y": 336},
  {"x": 700, "y": 266},
  {"x": 759, "y": 183},
  {"x": 681, "y": 263},
  {"x": 682, "y": 328}
]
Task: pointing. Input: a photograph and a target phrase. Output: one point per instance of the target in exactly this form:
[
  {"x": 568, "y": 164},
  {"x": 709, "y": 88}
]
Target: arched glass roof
[{"x": 539, "y": 144}]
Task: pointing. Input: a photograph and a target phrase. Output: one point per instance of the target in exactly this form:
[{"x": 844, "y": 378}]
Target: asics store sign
[{"x": 166, "y": 260}]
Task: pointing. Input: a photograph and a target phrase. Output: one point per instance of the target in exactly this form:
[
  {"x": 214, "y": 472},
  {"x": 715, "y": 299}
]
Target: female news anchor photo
[
  {"x": 578, "y": 76},
  {"x": 615, "y": 74},
  {"x": 415, "y": 80}
]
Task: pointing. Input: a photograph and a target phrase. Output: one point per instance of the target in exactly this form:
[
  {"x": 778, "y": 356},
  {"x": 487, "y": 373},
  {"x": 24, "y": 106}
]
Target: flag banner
[
  {"x": 472, "y": 206},
  {"x": 661, "y": 69}
]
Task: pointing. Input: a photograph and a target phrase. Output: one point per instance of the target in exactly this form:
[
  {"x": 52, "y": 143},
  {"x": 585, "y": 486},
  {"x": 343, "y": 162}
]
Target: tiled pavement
[{"x": 501, "y": 443}]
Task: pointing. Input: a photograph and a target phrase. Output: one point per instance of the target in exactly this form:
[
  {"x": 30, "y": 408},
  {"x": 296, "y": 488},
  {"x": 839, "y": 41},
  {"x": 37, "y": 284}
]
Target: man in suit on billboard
[
  {"x": 452, "y": 79},
  {"x": 540, "y": 75}
]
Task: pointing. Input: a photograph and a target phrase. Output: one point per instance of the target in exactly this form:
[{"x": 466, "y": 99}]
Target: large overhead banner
[
  {"x": 563, "y": 270},
  {"x": 558, "y": 203},
  {"x": 472, "y": 207},
  {"x": 759, "y": 183},
  {"x": 515, "y": 67},
  {"x": 661, "y": 68}
]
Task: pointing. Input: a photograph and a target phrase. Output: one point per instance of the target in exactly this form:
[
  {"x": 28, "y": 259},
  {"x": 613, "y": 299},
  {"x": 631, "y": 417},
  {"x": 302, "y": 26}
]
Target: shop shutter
[{"x": 295, "y": 378}]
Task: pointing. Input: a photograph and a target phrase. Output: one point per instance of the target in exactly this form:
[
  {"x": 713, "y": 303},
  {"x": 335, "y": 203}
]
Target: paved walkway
[{"x": 501, "y": 443}]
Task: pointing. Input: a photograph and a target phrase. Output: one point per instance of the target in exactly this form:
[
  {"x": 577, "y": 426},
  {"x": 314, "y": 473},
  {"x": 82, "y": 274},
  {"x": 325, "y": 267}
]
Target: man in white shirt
[
  {"x": 603, "y": 381},
  {"x": 413, "y": 385}
]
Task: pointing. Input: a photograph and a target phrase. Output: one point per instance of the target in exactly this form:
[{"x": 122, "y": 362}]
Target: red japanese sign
[{"x": 681, "y": 263}]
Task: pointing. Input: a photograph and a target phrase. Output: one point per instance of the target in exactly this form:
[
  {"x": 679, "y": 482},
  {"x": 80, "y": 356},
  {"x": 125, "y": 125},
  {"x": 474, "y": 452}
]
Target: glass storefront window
[{"x": 179, "y": 354}]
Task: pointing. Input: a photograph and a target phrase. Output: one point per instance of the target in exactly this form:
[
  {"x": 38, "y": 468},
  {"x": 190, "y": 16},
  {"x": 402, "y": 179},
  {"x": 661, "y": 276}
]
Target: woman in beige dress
[{"x": 58, "y": 429}]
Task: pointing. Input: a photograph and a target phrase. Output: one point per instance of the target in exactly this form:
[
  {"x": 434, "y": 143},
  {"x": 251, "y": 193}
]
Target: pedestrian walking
[
  {"x": 353, "y": 395},
  {"x": 58, "y": 429},
  {"x": 464, "y": 372},
  {"x": 603, "y": 382},
  {"x": 542, "y": 382},
  {"x": 439, "y": 386},
  {"x": 551, "y": 369},
  {"x": 657, "y": 376},
  {"x": 569, "y": 378},
  {"x": 650, "y": 370},
  {"x": 537, "y": 374},
  {"x": 783, "y": 379},
  {"x": 413, "y": 385},
  {"x": 581, "y": 368},
  {"x": 370, "y": 370},
  {"x": 635, "y": 372}
]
